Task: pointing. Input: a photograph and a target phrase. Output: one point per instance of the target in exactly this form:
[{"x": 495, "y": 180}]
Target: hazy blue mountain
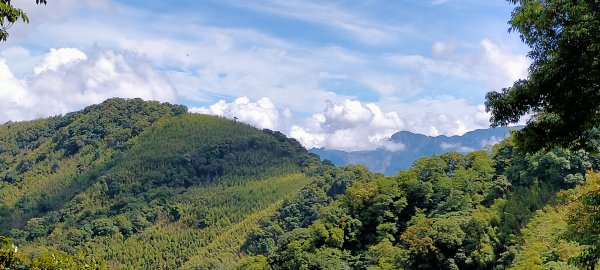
[{"x": 413, "y": 146}]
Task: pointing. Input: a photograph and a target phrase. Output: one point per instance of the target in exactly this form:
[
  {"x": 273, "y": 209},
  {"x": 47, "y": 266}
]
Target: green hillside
[
  {"x": 140, "y": 185},
  {"x": 483, "y": 210},
  {"x": 129, "y": 184}
]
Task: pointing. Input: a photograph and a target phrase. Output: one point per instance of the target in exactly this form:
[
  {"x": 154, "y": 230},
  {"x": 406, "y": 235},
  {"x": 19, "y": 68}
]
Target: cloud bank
[
  {"x": 350, "y": 125},
  {"x": 68, "y": 79}
]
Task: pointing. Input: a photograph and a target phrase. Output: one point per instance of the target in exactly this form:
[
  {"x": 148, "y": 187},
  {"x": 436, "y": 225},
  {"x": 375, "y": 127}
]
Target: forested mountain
[
  {"x": 411, "y": 146},
  {"x": 129, "y": 184},
  {"x": 139, "y": 185}
]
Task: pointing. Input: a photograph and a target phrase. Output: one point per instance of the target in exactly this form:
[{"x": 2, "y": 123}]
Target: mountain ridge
[
  {"x": 410, "y": 146},
  {"x": 112, "y": 176},
  {"x": 129, "y": 184}
]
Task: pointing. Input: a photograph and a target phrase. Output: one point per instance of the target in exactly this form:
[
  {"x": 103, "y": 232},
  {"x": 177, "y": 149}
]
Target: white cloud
[
  {"x": 261, "y": 113},
  {"x": 19, "y": 59},
  {"x": 444, "y": 115},
  {"x": 501, "y": 66},
  {"x": 14, "y": 98},
  {"x": 456, "y": 147},
  {"x": 392, "y": 146},
  {"x": 58, "y": 57},
  {"x": 67, "y": 79},
  {"x": 308, "y": 138},
  {"x": 348, "y": 114},
  {"x": 349, "y": 125},
  {"x": 491, "y": 141},
  {"x": 495, "y": 64},
  {"x": 213, "y": 62}
]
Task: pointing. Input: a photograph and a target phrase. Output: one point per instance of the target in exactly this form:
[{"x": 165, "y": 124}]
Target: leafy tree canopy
[
  {"x": 562, "y": 91},
  {"x": 10, "y": 14}
]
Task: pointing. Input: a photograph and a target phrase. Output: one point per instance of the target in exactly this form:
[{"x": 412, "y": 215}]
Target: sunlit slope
[
  {"x": 203, "y": 223},
  {"x": 44, "y": 163},
  {"x": 143, "y": 185}
]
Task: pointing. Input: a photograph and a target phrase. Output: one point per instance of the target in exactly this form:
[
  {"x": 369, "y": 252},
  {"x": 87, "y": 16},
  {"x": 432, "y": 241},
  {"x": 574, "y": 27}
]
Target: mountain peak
[{"x": 415, "y": 146}]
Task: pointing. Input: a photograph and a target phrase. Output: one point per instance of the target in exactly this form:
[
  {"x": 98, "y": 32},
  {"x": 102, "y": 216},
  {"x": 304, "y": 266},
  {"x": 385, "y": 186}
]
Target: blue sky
[{"x": 335, "y": 74}]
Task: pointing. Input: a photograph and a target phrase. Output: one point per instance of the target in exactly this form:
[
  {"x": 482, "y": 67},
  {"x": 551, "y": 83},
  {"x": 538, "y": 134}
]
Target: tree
[
  {"x": 562, "y": 91},
  {"x": 583, "y": 219},
  {"x": 10, "y": 14},
  {"x": 8, "y": 257}
]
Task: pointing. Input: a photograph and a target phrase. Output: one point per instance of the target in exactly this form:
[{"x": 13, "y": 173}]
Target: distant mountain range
[{"x": 404, "y": 147}]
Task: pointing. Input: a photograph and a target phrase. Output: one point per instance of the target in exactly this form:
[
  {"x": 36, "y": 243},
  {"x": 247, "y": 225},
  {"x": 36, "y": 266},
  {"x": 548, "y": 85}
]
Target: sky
[{"x": 338, "y": 74}]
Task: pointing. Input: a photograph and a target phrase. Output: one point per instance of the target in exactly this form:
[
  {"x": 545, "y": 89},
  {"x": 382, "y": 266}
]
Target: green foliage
[
  {"x": 583, "y": 219},
  {"x": 562, "y": 90},
  {"x": 11, "y": 258},
  {"x": 473, "y": 211},
  {"x": 223, "y": 251},
  {"x": 8, "y": 254},
  {"x": 544, "y": 246},
  {"x": 142, "y": 185},
  {"x": 255, "y": 263},
  {"x": 47, "y": 162},
  {"x": 377, "y": 215}
]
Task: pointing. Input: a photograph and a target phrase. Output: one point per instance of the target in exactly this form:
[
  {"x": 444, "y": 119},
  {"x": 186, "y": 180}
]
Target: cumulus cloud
[
  {"x": 59, "y": 57},
  {"x": 67, "y": 79},
  {"x": 443, "y": 115},
  {"x": 261, "y": 113},
  {"x": 349, "y": 125},
  {"x": 212, "y": 62},
  {"x": 348, "y": 114}
]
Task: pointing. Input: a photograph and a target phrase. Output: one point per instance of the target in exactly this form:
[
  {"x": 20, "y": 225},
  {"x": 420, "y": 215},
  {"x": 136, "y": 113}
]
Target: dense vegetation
[
  {"x": 139, "y": 184},
  {"x": 129, "y": 184},
  {"x": 497, "y": 210},
  {"x": 561, "y": 93},
  {"x": 562, "y": 90},
  {"x": 415, "y": 146}
]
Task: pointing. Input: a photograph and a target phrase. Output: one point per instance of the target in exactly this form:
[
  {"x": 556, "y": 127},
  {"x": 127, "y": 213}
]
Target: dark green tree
[
  {"x": 10, "y": 14},
  {"x": 562, "y": 91}
]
